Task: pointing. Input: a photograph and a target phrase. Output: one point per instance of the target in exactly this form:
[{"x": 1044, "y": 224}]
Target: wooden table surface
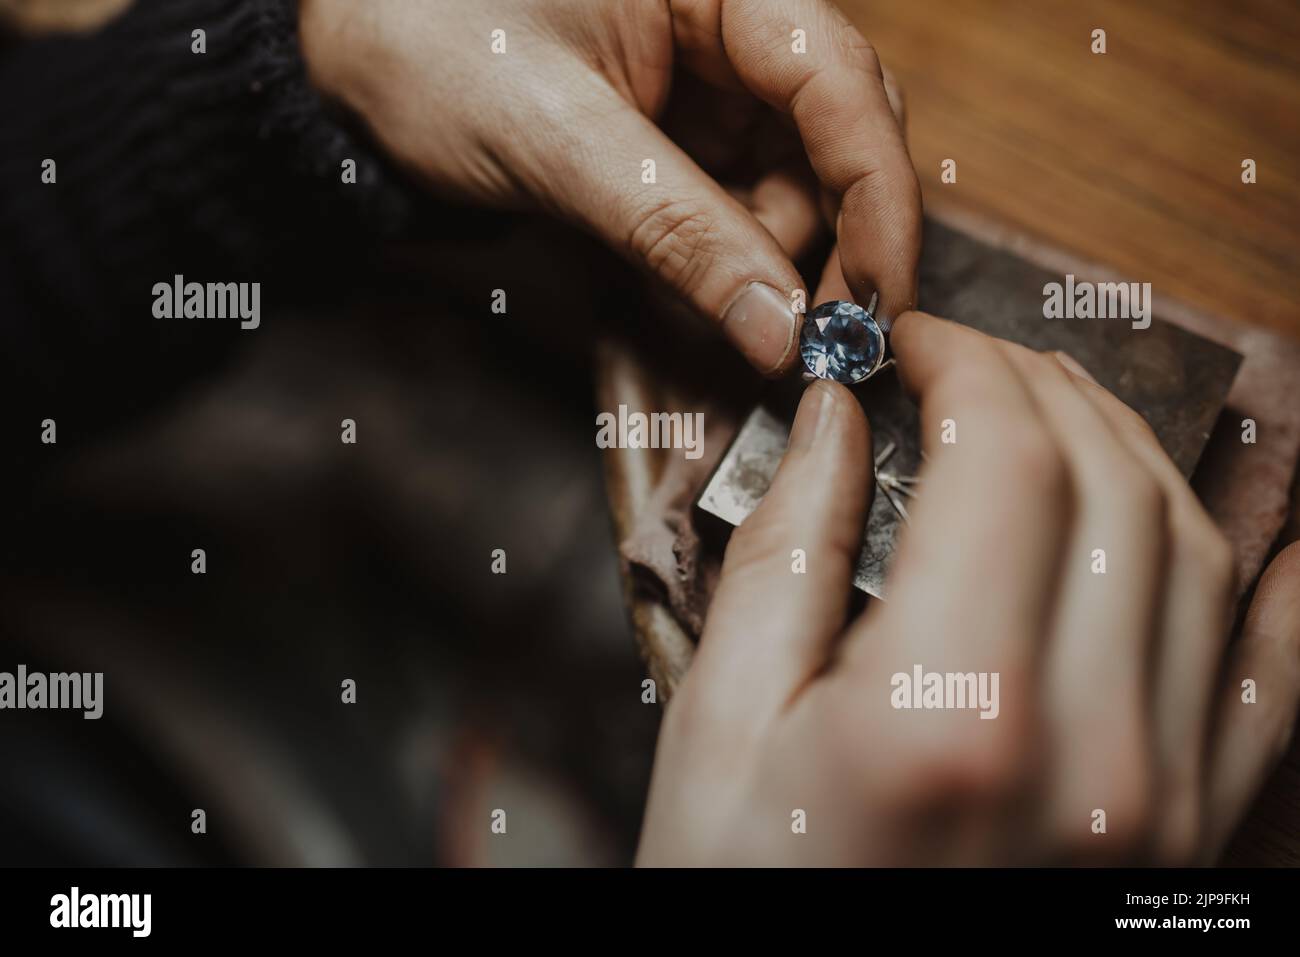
[{"x": 1131, "y": 159}]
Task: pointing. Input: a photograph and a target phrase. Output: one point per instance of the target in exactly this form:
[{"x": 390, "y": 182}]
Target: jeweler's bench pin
[{"x": 843, "y": 342}]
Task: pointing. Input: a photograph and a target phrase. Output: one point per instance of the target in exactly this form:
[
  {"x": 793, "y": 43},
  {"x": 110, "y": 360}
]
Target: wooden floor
[{"x": 1133, "y": 158}]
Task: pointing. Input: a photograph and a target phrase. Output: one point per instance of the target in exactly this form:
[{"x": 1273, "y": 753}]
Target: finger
[
  {"x": 785, "y": 202},
  {"x": 832, "y": 285},
  {"x": 717, "y": 128},
  {"x": 830, "y": 202},
  {"x": 1197, "y": 615},
  {"x": 971, "y": 589},
  {"x": 754, "y": 152},
  {"x": 785, "y": 581},
  {"x": 836, "y": 94},
  {"x": 988, "y": 525},
  {"x": 897, "y": 104},
  {"x": 1256, "y": 700},
  {"x": 1110, "y": 613},
  {"x": 676, "y": 222}
]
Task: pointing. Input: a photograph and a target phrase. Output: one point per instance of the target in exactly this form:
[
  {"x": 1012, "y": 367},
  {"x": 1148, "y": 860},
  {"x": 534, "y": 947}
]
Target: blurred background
[{"x": 328, "y": 561}]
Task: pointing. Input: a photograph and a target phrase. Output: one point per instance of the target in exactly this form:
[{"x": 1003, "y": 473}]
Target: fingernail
[
  {"x": 814, "y": 410},
  {"x": 761, "y": 322},
  {"x": 1067, "y": 360}
]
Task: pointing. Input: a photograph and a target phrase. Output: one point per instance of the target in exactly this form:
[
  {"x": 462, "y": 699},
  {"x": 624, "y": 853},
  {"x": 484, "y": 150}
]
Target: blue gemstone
[{"x": 841, "y": 341}]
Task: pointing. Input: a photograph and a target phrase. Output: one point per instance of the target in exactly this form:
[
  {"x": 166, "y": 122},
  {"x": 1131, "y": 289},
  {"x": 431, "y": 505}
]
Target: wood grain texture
[{"x": 1131, "y": 158}]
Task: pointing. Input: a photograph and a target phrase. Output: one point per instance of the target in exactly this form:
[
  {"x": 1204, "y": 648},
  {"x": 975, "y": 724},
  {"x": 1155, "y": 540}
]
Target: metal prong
[
  {"x": 897, "y": 505},
  {"x": 895, "y": 483}
]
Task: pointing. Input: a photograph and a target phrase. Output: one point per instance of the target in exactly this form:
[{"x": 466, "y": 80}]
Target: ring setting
[{"x": 843, "y": 342}]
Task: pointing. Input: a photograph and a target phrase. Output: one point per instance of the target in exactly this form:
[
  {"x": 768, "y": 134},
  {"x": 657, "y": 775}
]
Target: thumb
[
  {"x": 783, "y": 594},
  {"x": 1255, "y": 721},
  {"x": 638, "y": 191}
]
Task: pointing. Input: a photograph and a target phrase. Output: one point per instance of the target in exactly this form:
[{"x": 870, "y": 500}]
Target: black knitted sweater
[{"x": 223, "y": 165}]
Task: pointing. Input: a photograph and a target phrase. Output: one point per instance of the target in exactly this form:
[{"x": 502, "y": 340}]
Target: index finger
[
  {"x": 993, "y": 510},
  {"x": 828, "y": 79}
]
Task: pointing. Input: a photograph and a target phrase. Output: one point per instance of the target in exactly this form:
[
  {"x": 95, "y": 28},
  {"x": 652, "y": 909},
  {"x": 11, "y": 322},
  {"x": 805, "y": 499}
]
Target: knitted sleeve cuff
[
  {"x": 320, "y": 145},
  {"x": 184, "y": 134}
]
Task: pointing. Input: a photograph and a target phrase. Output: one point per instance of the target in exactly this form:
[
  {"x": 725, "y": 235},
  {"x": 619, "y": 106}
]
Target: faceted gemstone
[{"x": 841, "y": 341}]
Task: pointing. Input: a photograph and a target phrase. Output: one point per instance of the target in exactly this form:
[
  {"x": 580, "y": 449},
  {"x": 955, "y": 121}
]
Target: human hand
[
  {"x": 1117, "y": 691},
  {"x": 564, "y": 119}
]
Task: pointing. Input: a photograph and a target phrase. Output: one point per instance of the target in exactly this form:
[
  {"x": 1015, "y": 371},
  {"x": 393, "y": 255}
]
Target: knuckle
[
  {"x": 1040, "y": 365},
  {"x": 882, "y": 193},
  {"x": 859, "y": 48},
  {"x": 992, "y": 764},
  {"x": 674, "y": 240},
  {"x": 1030, "y": 454},
  {"x": 1144, "y": 499},
  {"x": 1133, "y": 422},
  {"x": 1040, "y": 368},
  {"x": 1215, "y": 553},
  {"x": 1205, "y": 551}
]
